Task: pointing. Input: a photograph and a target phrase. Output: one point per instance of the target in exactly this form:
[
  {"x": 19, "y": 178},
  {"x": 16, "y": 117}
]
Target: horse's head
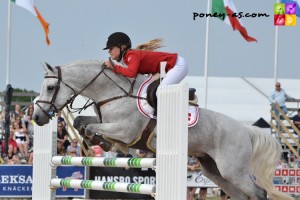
[{"x": 54, "y": 95}]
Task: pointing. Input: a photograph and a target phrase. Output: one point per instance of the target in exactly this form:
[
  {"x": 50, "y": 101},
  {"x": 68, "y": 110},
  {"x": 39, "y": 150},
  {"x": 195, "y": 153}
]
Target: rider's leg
[{"x": 177, "y": 73}]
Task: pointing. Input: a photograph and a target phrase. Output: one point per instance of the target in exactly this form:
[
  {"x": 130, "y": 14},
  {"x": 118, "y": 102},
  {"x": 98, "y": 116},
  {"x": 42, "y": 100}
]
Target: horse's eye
[{"x": 50, "y": 87}]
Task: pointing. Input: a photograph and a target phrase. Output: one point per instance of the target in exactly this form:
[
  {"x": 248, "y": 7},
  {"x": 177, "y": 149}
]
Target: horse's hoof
[{"x": 82, "y": 132}]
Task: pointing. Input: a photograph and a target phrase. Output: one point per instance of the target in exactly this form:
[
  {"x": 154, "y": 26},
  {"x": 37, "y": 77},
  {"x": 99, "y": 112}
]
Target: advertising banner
[
  {"x": 16, "y": 180},
  {"x": 122, "y": 175}
]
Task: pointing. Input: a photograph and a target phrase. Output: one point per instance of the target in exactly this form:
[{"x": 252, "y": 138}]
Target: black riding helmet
[{"x": 118, "y": 39}]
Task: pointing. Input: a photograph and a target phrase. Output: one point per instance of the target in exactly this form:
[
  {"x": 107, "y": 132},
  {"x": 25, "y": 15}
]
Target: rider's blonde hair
[{"x": 151, "y": 45}]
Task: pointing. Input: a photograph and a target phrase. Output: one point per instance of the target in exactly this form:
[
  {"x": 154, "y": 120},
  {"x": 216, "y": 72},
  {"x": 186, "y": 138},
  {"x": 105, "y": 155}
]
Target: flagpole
[
  {"x": 8, "y": 43},
  {"x": 276, "y": 53},
  {"x": 206, "y": 55}
]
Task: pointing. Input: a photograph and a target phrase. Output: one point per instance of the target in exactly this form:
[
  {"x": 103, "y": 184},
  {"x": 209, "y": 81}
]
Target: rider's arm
[{"x": 133, "y": 62}]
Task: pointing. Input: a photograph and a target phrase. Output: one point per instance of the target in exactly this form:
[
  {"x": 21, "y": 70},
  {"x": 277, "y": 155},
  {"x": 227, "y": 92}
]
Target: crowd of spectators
[{"x": 20, "y": 138}]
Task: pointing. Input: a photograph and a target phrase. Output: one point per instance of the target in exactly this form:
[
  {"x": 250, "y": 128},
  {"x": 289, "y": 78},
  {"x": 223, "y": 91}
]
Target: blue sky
[{"x": 79, "y": 30}]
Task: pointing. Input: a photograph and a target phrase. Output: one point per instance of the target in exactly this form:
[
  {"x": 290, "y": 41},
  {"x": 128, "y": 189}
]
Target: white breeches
[{"x": 177, "y": 73}]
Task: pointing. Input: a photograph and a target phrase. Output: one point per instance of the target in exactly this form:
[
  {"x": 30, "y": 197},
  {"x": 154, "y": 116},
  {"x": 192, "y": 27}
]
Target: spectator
[
  {"x": 296, "y": 120},
  {"x": 144, "y": 154},
  {"x": 11, "y": 158},
  {"x": 97, "y": 150},
  {"x": 21, "y": 138},
  {"x": 203, "y": 193},
  {"x": 61, "y": 119},
  {"x": 278, "y": 98},
  {"x": 91, "y": 152},
  {"x": 21, "y": 123},
  {"x": 192, "y": 165},
  {"x": 12, "y": 143},
  {"x": 28, "y": 120},
  {"x": 74, "y": 150},
  {"x": 62, "y": 135},
  {"x": 60, "y": 148},
  {"x": 30, "y": 160},
  {"x": 17, "y": 112},
  {"x": 2, "y": 118}
]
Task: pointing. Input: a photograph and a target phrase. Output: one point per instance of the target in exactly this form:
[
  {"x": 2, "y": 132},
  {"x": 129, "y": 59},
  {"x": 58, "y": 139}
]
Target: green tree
[{"x": 27, "y": 96}]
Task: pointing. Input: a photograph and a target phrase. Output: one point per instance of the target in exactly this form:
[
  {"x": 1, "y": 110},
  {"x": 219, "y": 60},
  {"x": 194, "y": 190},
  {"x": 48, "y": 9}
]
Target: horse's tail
[
  {"x": 266, "y": 152},
  {"x": 151, "y": 45}
]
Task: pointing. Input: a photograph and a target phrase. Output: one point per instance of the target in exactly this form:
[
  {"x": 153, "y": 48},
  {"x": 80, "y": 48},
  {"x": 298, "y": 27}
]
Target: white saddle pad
[{"x": 148, "y": 111}]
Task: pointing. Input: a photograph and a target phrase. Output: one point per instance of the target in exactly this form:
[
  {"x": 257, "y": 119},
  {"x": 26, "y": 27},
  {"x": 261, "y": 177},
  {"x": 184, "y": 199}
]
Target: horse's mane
[
  {"x": 151, "y": 45},
  {"x": 84, "y": 62}
]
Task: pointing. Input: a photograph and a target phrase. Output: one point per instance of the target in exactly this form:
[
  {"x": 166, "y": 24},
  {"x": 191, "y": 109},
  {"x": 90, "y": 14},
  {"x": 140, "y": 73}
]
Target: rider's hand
[{"x": 108, "y": 64}]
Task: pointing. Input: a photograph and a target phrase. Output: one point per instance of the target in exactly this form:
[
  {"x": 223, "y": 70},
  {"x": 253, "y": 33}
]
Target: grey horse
[{"x": 238, "y": 158}]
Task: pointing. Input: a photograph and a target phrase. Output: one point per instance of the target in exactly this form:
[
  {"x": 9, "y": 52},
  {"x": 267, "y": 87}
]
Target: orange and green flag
[{"x": 29, "y": 5}]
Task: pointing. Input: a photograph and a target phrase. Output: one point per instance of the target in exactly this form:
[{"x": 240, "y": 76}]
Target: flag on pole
[
  {"x": 29, "y": 5},
  {"x": 297, "y": 2},
  {"x": 226, "y": 8}
]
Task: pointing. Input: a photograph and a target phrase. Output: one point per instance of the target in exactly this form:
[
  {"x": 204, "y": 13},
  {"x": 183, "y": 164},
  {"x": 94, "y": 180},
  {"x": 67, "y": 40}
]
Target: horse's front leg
[
  {"x": 80, "y": 124},
  {"x": 82, "y": 121},
  {"x": 111, "y": 130}
]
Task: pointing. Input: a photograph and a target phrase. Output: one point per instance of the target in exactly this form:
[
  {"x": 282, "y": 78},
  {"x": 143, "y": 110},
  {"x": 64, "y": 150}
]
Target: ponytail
[{"x": 151, "y": 45}]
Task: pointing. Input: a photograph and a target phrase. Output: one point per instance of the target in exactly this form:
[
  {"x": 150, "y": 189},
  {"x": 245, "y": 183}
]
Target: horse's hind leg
[
  {"x": 247, "y": 185},
  {"x": 210, "y": 170},
  {"x": 239, "y": 176}
]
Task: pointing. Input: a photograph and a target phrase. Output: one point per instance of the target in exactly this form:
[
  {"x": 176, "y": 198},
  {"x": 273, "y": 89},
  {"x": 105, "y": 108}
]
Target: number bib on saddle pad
[{"x": 148, "y": 111}]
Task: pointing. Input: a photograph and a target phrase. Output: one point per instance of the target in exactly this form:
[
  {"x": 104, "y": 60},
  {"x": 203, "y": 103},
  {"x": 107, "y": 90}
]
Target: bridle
[{"x": 53, "y": 109}]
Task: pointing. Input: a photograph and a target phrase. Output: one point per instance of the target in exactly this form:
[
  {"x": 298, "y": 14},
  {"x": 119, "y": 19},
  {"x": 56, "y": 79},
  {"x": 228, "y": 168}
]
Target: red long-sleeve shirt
[{"x": 145, "y": 62}]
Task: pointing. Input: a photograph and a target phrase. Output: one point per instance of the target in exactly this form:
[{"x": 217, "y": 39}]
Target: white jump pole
[
  {"x": 104, "y": 162},
  {"x": 104, "y": 186},
  {"x": 172, "y": 142},
  {"x": 44, "y": 149}
]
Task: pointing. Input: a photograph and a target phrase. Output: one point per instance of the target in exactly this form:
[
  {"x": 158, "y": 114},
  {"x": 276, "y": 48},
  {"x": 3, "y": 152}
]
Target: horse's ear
[{"x": 48, "y": 67}]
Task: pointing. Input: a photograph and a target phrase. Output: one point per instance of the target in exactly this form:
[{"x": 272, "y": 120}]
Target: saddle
[{"x": 152, "y": 98}]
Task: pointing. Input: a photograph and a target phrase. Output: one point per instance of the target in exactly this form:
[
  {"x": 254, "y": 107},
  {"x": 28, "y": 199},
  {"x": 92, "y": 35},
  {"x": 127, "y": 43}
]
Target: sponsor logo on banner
[
  {"x": 197, "y": 179},
  {"x": 70, "y": 172},
  {"x": 15, "y": 181}
]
